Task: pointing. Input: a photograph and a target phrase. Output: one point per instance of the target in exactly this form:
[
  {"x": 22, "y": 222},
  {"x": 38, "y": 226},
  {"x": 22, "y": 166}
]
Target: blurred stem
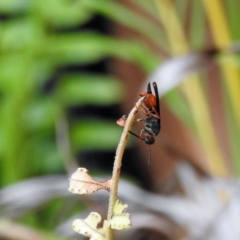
[
  {"x": 118, "y": 163},
  {"x": 192, "y": 89},
  {"x": 63, "y": 141},
  {"x": 222, "y": 38}
]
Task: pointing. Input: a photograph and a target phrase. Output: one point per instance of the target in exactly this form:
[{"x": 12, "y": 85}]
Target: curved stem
[{"x": 118, "y": 164}]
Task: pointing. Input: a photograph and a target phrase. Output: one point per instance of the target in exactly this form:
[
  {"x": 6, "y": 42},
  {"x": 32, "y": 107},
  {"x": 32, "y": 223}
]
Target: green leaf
[
  {"x": 95, "y": 135},
  {"x": 129, "y": 18},
  {"x": 179, "y": 106},
  {"x": 39, "y": 115},
  {"x": 18, "y": 35},
  {"x": 233, "y": 17},
  {"x": 66, "y": 13},
  {"x": 9, "y": 78},
  {"x": 197, "y": 25},
  {"x": 89, "y": 88},
  {"x": 45, "y": 157},
  {"x": 88, "y": 47}
]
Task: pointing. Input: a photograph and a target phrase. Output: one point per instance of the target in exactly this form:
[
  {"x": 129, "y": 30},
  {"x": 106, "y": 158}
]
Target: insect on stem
[{"x": 151, "y": 108}]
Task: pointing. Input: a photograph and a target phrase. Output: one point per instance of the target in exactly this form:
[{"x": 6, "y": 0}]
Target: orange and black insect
[{"x": 151, "y": 108}]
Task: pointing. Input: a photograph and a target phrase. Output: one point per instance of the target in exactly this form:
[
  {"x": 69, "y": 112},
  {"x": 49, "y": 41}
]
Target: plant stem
[
  {"x": 118, "y": 164},
  {"x": 63, "y": 141}
]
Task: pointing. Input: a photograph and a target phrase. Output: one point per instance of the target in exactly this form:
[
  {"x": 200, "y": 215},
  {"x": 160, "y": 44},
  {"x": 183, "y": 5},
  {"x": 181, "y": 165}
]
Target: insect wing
[
  {"x": 149, "y": 90},
  {"x": 157, "y": 98},
  {"x": 157, "y": 103}
]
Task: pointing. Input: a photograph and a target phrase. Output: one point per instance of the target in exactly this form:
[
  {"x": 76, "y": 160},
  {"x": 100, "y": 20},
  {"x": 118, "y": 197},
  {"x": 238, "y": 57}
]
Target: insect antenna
[
  {"x": 149, "y": 148},
  {"x": 149, "y": 154}
]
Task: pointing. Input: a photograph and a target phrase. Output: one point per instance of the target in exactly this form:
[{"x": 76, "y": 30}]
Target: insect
[{"x": 151, "y": 108}]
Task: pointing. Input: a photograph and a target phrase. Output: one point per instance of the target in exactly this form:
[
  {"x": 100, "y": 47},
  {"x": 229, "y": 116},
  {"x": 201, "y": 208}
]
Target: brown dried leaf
[
  {"x": 122, "y": 121},
  {"x": 82, "y": 183}
]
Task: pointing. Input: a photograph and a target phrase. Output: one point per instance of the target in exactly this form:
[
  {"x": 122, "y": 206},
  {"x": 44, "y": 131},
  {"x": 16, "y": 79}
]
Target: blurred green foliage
[
  {"x": 32, "y": 48},
  {"x": 37, "y": 39}
]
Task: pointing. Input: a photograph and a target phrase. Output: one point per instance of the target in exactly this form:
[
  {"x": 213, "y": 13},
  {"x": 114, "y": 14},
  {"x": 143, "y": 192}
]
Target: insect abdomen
[{"x": 152, "y": 125}]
